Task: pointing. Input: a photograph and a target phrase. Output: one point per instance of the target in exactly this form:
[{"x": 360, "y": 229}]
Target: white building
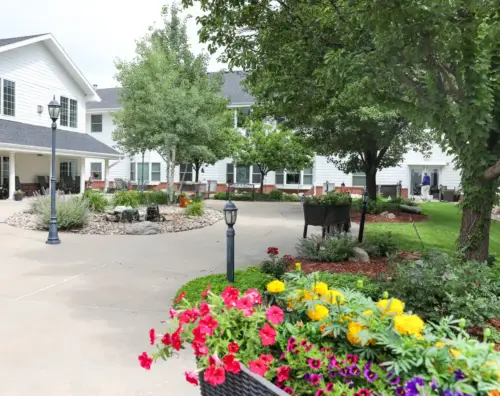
[
  {"x": 100, "y": 125},
  {"x": 34, "y": 69}
]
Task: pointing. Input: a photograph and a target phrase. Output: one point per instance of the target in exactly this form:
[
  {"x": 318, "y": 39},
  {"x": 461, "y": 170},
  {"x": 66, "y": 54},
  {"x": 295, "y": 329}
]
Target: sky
[{"x": 92, "y": 32}]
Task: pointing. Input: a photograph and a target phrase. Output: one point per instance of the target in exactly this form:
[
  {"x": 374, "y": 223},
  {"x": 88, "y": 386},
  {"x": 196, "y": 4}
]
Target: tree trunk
[
  {"x": 171, "y": 173},
  {"x": 474, "y": 238},
  {"x": 262, "y": 175},
  {"x": 371, "y": 183},
  {"x": 197, "y": 167}
]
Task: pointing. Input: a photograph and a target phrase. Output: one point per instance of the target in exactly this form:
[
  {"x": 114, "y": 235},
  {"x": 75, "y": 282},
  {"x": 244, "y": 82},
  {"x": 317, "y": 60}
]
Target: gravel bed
[{"x": 176, "y": 221}]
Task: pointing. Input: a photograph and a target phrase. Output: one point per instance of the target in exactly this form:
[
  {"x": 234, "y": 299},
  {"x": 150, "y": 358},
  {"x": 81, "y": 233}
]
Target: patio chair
[
  {"x": 43, "y": 181},
  {"x": 18, "y": 183},
  {"x": 68, "y": 184},
  {"x": 448, "y": 195},
  {"x": 77, "y": 184}
]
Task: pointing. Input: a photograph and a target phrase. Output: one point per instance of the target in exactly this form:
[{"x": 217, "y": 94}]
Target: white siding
[
  {"x": 29, "y": 166},
  {"x": 38, "y": 77}
]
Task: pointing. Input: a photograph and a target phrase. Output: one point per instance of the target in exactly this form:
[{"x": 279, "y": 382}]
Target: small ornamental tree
[{"x": 271, "y": 148}]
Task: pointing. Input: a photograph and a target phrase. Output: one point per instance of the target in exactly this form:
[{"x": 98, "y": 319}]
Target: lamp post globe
[
  {"x": 230, "y": 213},
  {"x": 230, "y": 216},
  {"x": 54, "y": 110}
]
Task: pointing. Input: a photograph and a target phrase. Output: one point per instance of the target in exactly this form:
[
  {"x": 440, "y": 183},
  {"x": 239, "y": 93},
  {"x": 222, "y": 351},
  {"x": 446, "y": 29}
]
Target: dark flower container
[{"x": 245, "y": 383}]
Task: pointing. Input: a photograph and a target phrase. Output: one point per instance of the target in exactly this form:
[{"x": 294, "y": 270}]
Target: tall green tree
[
  {"x": 434, "y": 62},
  {"x": 271, "y": 148}
]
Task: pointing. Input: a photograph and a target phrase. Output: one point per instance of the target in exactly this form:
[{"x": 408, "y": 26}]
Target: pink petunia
[
  {"x": 254, "y": 296},
  {"x": 245, "y": 305},
  {"x": 258, "y": 367},
  {"x": 192, "y": 377},
  {"x": 267, "y": 335},
  {"x": 275, "y": 315}
]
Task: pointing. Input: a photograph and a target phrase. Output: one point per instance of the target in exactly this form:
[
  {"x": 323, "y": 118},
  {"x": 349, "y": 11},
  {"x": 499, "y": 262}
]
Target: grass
[{"x": 439, "y": 232}]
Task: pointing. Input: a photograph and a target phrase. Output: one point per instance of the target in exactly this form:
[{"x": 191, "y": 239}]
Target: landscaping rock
[
  {"x": 142, "y": 228},
  {"x": 410, "y": 209},
  {"x": 142, "y": 214},
  {"x": 129, "y": 215},
  {"x": 359, "y": 255},
  {"x": 391, "y": 216},
  {"x": 384, "y": 214},
  {"x": 120, "y": 209},
  {"x": 112, "y": 217}
]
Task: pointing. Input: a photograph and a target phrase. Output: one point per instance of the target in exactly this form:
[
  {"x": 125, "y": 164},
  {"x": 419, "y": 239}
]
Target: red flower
[
  {"x": 214, "y": 360},
  {"x": 215, "y": 375},
  {"x": 230, "y": 296},
  {"x": 245, "y": 305},
  {"x": 199, "y": 336},
  {"x": 287, "y": 257},
  {"x": 145, "y": 361},
  {"x": 254, "y": 296},
  {"x": 188, "y": 316},
  {"x": 181, "y": 297},
  {"x": 173, "y": 313},
  {"x": 267, "y": 358},
  {"x": 283, "y": 373},
  {"x": 275, "y": 315},
  {"x": 200, "y": 349},
  {"x": 258, "y": 367},
  {"x": 231, "y": 364},
  {"x": 166, "y": 339},
  {"x": 273, "y": 251},
  {"x": 204, "y": 308},
  {"x": 233, "y": 347},
  {"x": 207, "y": 325},
  {"x": 207, "y": 290},
  {"x": 288, "y": 390},
  {"x": 267, "y": 335},
  {"x": 176, "y": 340},
  {"x": 152, "y": 336},
  {"x": 192, "y": 377}
]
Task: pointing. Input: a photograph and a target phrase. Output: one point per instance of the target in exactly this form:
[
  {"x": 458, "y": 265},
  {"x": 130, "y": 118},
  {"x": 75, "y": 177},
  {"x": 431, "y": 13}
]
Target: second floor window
[
  {"x": 96, "y": 123},
  {"x": 64, "y": 111},
  {"x": 9, "y": 98},
  {"x": 69, "y": 112},
  {"x": 73, "y": 113}
]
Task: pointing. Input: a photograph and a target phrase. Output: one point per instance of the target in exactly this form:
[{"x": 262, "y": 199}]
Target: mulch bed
[
  {"x": 477, "y": 331},
  {"x": 401, "y": 217}
]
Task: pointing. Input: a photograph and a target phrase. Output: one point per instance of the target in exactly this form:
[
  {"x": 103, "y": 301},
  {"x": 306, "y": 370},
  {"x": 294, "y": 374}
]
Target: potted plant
[
  {"x": 327, "y": 210},
  {"x": 18, "y": 195},
  {"x": 183, "y": 199}
]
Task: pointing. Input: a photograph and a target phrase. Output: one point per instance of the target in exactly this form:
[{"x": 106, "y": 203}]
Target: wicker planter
[
  {"x": 245, "y": 383},
  {"x": 325, "y": 216}
]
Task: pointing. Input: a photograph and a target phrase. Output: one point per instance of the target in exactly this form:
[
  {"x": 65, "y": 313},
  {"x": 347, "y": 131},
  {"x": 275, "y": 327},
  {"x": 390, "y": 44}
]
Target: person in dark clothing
[{"x": 426, "y": 186}]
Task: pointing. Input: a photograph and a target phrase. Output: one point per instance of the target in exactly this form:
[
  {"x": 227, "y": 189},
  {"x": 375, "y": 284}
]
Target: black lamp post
[
  {"x": 363, "y": 217},
  {"x": 230, "y": 215},
  {"x": 54, "y": 110}
]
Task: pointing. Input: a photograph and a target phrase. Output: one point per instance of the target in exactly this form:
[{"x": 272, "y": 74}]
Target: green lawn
[{"x": 440, "y": 231}]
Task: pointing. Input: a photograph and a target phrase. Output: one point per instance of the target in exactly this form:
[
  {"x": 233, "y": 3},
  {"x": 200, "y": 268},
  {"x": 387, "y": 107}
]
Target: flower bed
[{"x": 309, "y": 338}]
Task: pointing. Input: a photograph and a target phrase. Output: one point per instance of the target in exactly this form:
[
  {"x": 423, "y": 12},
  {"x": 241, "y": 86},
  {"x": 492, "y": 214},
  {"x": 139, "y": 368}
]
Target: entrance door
[
  {"x": 4, "y": 171},
  {"x": 416, "y": 180}
]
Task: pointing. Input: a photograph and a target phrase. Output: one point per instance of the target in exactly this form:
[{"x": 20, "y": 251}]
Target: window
[
  {"x": 96, "y": 170},
  {"x": 242, "y": 174},
  {"x": 230, "y": 173},
  {"x": 67, "y": 169},
  {"x": 186, "y": 172},
  {"x": 64, "y": 111},
  {"x": 256, "y": 176},
  {"x": 307, "y": 176},
  {"x": 140, "y": 167},
  {"x": 9, "y": 98},
  {"x": 359, "y": 179},
  {"x": 242, "y": 116},
  {"x": 280, "y": 176},
  {"x": 132, "y": 171},
  {"x": 73, "y": 113},
  {"x": 292, "y": 177},
  {"x": 434, "y": 177},
  {"x": 155, "y": 171},
  {"x": 5, "y": 171},
  {"x": 96, "y": 123}
]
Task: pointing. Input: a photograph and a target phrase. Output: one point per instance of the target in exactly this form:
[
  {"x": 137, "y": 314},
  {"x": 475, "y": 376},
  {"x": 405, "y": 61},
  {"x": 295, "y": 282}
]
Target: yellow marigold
[
  {"x": 318, "y": 312},
  {"x": 307, "y": 295},
  {"x": 322, "y": 329},
  {"x": 275, "y": 286},
  {"x": 391, "y": 307},
  {"x": 455, "y": 352},
  {"x": 298, "y": 266},
  {"x": 345, "y": 318},
  {"x": 353, "y": 329},
  {"x": 408, "y": 324},
  {"x": 368, "y": 312},
  {"x": 494, "y": 393},
  {"x": 320, "y": 288},
  {"x": 334, "y": 297}
]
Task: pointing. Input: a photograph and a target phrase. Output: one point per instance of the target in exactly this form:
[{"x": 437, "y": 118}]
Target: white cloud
[{"x": 92, "y": 32}]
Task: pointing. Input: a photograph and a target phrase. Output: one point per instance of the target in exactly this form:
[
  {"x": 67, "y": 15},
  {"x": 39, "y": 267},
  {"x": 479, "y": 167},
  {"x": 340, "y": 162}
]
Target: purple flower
[
  {"x": 367, "y": 366},
  {"x": 351, "y": 359},
  {"x": 333, "y": 363},
  {"x": 315, "y": 364},
  {"x": 370, "y": 375},
  {"x": 354, "y": 370},
  {"x": 345, "y": 371},
  {"x": 333, "y": 374},
  {"x": 393, "y": 378},
  {"x": 434, "y": 384},
  {"x": 400, "y": 391},
  {"x": 447, "y": 392},
  {"x": 413, "y": 385},
  {"x": 459, "y": 375},
  {"x": 314, "y": 379},
  {"x": 307, "y": 376}
]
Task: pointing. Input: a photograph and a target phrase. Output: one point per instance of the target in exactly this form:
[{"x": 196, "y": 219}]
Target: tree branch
[
  {"x": 381, "y": 155},
  {"x": 493, "y": 172}
]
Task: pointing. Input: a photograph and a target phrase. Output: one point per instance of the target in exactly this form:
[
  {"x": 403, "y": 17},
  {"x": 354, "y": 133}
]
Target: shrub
[
  {"x": 274, "y": 265},
  {"x": 153, "y": 198},
  {"x": 96, "y": 201},
  {"x": 403, "y": 201},
  {"x": 330, "y": 249},
  {"x": 127, "y": 198},
  {"x": 291, "y": 197},
  {"x": 71, "y": 211},
  {"x": 335, "y": 198},
  {"x": 195, "y": 209},
  {"x": 379, "y": 245},
  {"x": 439, "y": 285},
  {"x": 276, "y": 195}
]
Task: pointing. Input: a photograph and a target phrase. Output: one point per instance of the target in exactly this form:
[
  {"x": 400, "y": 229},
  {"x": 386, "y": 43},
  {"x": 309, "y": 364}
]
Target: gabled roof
[
  {"x": 40, "y": 138},
  {"x": 231, "y": 89},
  {"x": 55, "y": 48}
]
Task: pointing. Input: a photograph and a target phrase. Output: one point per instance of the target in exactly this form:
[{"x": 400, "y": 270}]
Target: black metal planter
[
  {"x": 245, "y": 383},
  {"x": 326, "y": 216}
]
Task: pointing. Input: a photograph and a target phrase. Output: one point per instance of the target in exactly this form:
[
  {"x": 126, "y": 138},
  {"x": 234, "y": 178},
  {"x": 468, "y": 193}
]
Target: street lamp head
[
  {"x": 230, "y": 213},
  {"x": 365, "y": 197},
  {"x": 54, "y": 109}
]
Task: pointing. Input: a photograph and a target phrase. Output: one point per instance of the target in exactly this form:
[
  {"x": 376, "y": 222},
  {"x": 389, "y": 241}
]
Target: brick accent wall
[{"x": 29, "y": 188}]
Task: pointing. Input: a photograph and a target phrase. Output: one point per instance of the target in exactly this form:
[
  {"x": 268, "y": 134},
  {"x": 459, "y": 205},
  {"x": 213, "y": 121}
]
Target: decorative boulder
[
  {"x": 112, "y": 217},
  {"x": 120, "y": 209},
  {"x": 359, "y": 255},
  {"x": 153, "y": 213},
  {"x": 129, "y": 215},
  {"x": 391, "y": 216},
  {"x": 410, "y": 209},
  {"x": 142, "y": 214},
  {"x": 142, "y": 228}
]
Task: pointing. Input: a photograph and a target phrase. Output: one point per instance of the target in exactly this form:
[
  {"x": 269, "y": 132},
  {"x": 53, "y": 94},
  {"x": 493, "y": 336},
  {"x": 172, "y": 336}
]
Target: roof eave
[{"x": 48, "y": 150}]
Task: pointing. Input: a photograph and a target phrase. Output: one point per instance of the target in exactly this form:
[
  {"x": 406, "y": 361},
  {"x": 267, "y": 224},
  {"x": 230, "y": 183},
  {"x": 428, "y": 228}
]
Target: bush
[
  {"x": 276, "y": 195},
  {"x": 330, "y": 249},
  {"x": 381, "y": 205},
  {"x": 195, "y": 209},
  {"x": 291, "y": 197},
  {"x": 439, "y": 285},
  {"x": 379, "y": 245},
  {"x": 72, "y": 211},
  {"x": 127, "y": 198},
  {"x": 96, "y": 201},
  {"x": 153, "y": 198},
  {"x": 274, "y": 265}
]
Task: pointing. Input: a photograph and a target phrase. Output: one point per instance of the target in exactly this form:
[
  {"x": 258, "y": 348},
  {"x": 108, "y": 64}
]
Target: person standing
[{"x": 426, "y": 186}]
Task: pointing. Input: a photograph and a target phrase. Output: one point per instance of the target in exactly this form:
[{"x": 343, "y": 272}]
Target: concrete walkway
[{"x": 74, "y": 317}]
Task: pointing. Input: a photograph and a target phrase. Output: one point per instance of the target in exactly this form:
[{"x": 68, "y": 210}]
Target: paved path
[{"x": 74, "y": 317}]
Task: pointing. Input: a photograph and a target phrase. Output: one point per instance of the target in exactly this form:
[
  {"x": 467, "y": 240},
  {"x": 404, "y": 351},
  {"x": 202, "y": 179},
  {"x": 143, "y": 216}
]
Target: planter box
[
  {"x": 326, "y": 215},
  {"x": 245, "y": 383},
  {"x": 18, "y": 197}
]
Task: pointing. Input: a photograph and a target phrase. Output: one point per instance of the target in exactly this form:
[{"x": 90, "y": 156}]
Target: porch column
[
  {"x": 12, "y": 175},
  {"x": 106, "y": 175},
  {"x": 82, "y": 175}
]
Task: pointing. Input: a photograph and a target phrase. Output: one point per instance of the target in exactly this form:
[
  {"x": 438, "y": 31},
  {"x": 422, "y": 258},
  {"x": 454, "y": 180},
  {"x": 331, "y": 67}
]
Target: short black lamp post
[
  {"x": 230, "y": 215},
  {"x": 363, "y": 217},
  {"x": 54, "y": 110}
]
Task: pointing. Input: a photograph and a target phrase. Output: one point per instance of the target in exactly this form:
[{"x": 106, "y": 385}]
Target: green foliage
[
  {"x": 153, "y": 198},
  {"x": 335, "y": 198},
  {"x": 72, "y": 212},
  {"x": 96, "y": 200},
  {"x": 127, "y": 198},
  {"x": 379, "y": 245},
  {"x": 439, "y": 285},
  {"x": 195, "y": 209},
  {"x": 330, "y": 249},
  {"x": 257, "y": 197},
  {"x": 276, "y": 195},
  {"x": 350, "y": 282}
]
